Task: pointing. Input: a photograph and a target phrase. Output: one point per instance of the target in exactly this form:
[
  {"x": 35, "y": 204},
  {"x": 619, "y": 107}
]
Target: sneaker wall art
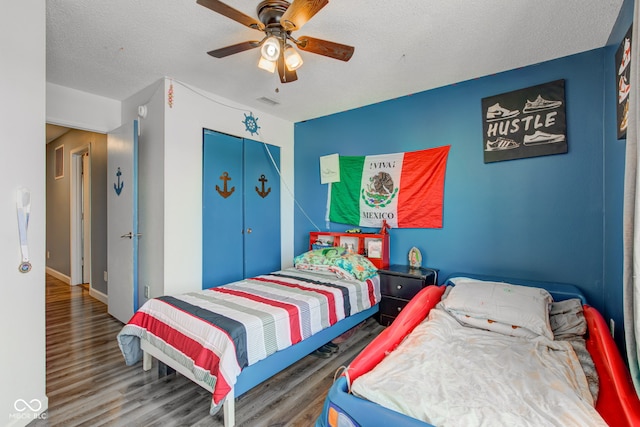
[
  {"x": 623, "y": 77},
  {"x": 525, "y": 123}
]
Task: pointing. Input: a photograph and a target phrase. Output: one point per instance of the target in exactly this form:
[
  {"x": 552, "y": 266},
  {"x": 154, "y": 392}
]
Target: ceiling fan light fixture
[
  {"x": 267, "y": 65},
  {"x": 277, "y": 19},
  {"x": 292, "y": 58},
  {"x": 271, "y": 49}
]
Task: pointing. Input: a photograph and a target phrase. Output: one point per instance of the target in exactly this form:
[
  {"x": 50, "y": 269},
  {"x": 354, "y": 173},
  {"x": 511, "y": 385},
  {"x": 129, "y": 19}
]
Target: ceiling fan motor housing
[{"x": 270, "y": 11}]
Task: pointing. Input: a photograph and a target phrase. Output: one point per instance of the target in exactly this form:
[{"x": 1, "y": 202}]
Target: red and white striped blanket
[{"x": 217, "y": 332}]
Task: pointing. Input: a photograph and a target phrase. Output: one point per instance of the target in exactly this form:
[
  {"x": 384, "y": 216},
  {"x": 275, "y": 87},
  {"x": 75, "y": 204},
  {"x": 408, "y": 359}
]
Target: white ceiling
[{"x": 116, "y": 48}]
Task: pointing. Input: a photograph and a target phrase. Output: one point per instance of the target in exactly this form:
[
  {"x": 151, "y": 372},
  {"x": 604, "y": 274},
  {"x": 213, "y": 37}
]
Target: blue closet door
[
  {"x": 262, "y": 208},
  {"x": 222, "y": 206},
  {"x": 240, "y": 221}
]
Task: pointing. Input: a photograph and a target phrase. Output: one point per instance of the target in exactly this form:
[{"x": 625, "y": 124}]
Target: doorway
[
  {"x": 80, "y": 214},
  {"x": 77, "y": 210}
]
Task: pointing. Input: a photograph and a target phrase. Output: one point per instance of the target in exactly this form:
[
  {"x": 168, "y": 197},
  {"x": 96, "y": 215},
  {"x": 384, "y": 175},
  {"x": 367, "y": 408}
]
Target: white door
[
  {"x": 80, "y": 213},
  {"x": 122, "y": 221},
  {"x": 86, "y": 219}
]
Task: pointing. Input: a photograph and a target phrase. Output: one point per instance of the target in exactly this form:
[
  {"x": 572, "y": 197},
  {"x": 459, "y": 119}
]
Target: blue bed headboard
[{"x": 559, "y": 291}]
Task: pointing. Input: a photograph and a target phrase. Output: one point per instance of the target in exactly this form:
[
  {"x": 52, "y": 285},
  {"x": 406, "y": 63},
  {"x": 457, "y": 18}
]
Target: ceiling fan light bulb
[
  {"x": 292, "y": 58},
  {"x": 267, "y": 65},
  {"x": 271, "y": 49}
]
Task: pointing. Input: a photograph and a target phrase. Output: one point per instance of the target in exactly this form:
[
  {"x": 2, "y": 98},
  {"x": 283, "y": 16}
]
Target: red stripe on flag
[
  {"x": 294, "y": 315},
  {"x": 331, "y": 300},
  {"x": 202, "y": 357},
  {"x": 421, "y": 197}
]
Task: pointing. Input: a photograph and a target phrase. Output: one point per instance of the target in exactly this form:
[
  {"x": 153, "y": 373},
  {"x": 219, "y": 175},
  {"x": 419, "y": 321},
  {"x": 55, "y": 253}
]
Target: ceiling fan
[{"x": 278, "y": 19}]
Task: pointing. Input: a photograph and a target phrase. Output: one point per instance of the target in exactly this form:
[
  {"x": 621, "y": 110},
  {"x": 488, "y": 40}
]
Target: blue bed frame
[
  {"x": 255, "y": 374},
  {"x": 355, "y": 412}
]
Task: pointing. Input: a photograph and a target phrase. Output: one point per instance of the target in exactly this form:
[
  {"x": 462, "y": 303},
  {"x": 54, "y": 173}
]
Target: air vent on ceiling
[{"x": 268, "y": 101}]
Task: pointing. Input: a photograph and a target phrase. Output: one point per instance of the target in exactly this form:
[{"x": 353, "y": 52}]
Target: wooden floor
[{"x": 88, "y": 383}]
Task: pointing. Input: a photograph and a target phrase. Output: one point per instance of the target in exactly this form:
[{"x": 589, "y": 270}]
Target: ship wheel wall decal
[
  {"x": 225, "y": 192},
  {"x": 262, "y": 192}
]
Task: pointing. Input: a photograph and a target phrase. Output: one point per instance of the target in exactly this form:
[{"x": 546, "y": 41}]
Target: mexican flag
[{"x": 405, "y": 189}]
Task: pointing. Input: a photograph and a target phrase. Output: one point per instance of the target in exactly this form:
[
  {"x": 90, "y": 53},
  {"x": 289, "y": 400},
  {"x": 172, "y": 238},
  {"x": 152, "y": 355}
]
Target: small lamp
[
  {"x": 292, "y": 58},
  {"x": 267, "y": 65},
  {"x": 271, "y": 49}
]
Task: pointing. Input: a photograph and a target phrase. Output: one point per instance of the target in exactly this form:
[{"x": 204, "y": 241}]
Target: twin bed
[{"x": 231, "y": 338}]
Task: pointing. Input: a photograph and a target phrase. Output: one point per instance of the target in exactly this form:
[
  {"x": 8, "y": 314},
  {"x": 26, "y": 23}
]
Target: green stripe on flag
[{"x": 345, "y": 206}]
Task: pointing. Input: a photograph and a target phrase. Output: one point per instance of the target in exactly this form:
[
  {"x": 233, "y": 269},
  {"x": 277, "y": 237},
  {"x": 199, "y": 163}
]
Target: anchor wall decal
[
  {"x": 118, "y": 187},
  {"x": 225, "y": 192},
  {"x": 262, "y": 193}
]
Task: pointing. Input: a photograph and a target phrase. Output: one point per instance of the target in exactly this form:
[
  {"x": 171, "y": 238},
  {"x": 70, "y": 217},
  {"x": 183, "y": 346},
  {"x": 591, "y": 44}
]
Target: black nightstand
[{"x": 398, "y": 284}]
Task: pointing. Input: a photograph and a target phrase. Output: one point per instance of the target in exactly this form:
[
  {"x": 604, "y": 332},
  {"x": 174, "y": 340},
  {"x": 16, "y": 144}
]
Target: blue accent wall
[{"x": 540, "y": 218}]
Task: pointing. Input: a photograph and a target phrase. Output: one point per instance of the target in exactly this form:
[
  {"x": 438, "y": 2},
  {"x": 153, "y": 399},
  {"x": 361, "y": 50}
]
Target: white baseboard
[
  {"x": 63, "y": 277},
  {"x": 103, "y": 298}
]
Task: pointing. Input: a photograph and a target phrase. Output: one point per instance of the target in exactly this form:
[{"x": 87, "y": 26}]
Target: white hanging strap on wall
[
  {"x": 266, "y": 146},
  {"x": 23, "y": 207}
]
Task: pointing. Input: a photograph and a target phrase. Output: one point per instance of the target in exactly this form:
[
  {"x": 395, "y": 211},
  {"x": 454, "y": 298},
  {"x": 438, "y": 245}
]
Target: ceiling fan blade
[
  {"x": 326, "y": 48},
  {"x": 236, "y": 48},
  {"x": 229, "y": 12},
  {"x": 299, "y": 12},
  {"x": 286, "y": 75}
]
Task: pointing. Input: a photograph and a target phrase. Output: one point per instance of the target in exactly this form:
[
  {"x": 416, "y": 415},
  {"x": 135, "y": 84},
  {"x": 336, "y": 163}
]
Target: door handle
[
  {"x": 249, "y": 230},
  {"x": 130, "y": 235}
]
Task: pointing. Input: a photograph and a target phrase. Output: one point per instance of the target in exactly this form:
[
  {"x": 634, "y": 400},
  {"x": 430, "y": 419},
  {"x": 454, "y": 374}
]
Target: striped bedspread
[{"x": 217, "y": 332}]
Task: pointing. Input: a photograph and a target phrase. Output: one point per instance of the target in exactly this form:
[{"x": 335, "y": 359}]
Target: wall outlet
[
  {"x": 612, "y": 327},
  {"x": 106, "y": 277},
  {"x": 48, "y": 254},
  {"x": 146, "y": 291}
]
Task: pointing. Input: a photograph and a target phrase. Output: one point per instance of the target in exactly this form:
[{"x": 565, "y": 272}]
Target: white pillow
[{"x": 500, "y": 307}]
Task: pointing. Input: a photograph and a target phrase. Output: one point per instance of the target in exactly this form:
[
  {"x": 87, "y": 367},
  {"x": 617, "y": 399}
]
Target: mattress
[
  {"x": 488, "y": 379},
  {"x": 489, "y": 354},
  {"x": 217, "y": 332}
]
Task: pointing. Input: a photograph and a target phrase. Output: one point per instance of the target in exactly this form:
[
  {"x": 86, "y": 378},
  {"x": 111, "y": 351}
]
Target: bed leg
[
  {"x": 229, "y": 409},
  {"x": 147, "y": 360}
]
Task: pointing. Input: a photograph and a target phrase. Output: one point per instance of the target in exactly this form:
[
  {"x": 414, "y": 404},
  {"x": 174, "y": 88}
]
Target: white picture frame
[
  {"x": 58, "y": 162},
  {"x": 374, "y": 248},
  {"x": 349, "y": 243}
]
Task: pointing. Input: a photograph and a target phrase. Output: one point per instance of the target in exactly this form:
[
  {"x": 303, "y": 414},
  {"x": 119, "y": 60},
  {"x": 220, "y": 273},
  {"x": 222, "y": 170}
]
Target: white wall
[
  {"x": 171, "y": 137},
  {"x": 22, "y": 138},
  {"x": 191, "y": 111},
  {"x": 81, "y": 110},
  {"x": 150, "y": 189}
]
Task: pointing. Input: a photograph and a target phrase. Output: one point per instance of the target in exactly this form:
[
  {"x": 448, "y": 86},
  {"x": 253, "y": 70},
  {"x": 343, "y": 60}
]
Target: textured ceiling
[{"x": 115, "y": 48}]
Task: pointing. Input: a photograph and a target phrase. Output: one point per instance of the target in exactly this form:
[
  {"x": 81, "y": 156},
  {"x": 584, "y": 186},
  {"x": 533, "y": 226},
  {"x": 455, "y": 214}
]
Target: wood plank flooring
[{"x": 88, "y": 383}]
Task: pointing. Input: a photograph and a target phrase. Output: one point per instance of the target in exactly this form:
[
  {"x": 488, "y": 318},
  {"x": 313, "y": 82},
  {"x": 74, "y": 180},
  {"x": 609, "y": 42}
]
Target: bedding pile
[
  {"x": 568, "y": 324},
  {"x": 487, "y": 356},
  {"x": 217, "y": 332}
]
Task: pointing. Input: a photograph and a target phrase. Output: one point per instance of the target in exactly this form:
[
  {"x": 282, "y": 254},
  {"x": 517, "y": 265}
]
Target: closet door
[
  {"x": 222, "y": 207},
  {"x": 261, "y": 208},
  {"x": 240, "y": 209}
]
